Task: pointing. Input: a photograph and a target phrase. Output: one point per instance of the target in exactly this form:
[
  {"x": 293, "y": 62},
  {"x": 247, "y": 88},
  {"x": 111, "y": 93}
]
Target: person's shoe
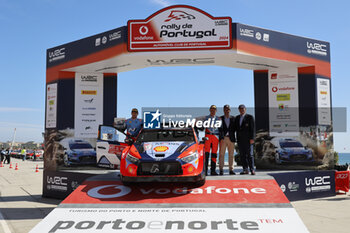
[
  {"x": 221, "y": 172},
  {"x": 244, "y": 173},
  {"x": 253, "y": 173},
  {"x": 232, "y": 173},
  {"x": 213, "y": 173}
]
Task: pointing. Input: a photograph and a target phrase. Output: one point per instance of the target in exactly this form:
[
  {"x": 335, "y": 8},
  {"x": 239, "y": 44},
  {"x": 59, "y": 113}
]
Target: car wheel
[
  {"x": 277, "y": 159},
  {"x": 125, "y": 182},
  {"x": 200, "y": 183},
  {"x": 65, "y": 160}
]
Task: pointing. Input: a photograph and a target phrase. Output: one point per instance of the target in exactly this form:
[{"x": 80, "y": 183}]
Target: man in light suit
[
  {"x": 227, "y": 140},
  {"x": 245, "y": 132}
]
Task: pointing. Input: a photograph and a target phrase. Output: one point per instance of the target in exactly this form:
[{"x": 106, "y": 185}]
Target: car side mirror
[{"x": 129, "y": 141}]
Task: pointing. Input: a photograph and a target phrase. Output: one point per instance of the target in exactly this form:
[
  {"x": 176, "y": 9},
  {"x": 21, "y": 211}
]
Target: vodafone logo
[
  {"x": 143, "y": 30},
  {"x": 342, "y": 176},
  {"x": 274, "y": 89},
  {"x": 114, "y": 191}
]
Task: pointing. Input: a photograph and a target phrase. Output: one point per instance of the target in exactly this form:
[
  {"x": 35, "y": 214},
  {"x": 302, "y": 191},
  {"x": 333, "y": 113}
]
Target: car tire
[
  {"x": 200, "y": 183},
  {"x": 124, "y": 182},
  {"x": 65, "y": 160},
  {"x": 278, "y": 159}
]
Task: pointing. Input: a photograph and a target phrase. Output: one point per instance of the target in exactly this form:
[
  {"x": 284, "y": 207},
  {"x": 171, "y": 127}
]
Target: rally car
[
  {"x": 289, "y": 150},
  {"x": 165, "y": 155},
  {"x": 78, "y": 152}
]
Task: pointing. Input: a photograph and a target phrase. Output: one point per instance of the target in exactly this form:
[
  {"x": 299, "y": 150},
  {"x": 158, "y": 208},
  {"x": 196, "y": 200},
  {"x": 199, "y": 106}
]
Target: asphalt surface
[{"x": 22, "y": 207}]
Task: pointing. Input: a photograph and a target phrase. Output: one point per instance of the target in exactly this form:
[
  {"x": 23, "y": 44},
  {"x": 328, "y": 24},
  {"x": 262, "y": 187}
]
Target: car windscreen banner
[
  {"x": 180, "y": 28},
  {"x": 306, "y": 185}
]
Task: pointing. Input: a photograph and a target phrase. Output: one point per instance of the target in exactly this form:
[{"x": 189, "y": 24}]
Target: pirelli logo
[{"x": 88, "y": 92}]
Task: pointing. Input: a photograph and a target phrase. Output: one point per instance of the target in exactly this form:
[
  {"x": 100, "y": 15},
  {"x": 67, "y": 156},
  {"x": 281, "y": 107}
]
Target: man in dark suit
[
  {"x": 245, "y": 131},
  {"x": 227, "y": 140}
]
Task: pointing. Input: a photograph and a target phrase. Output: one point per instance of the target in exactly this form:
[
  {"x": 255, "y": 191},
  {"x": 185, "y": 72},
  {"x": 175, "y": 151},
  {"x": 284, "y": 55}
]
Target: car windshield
[
  {"x": 290, "y": 144},
  {"x": 166, "y": 135},
  {"x": 80, "y": 146}
]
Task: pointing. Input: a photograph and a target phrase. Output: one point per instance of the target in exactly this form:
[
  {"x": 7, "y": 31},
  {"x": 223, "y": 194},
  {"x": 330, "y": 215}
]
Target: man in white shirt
[{"x": 227, "y": 140}]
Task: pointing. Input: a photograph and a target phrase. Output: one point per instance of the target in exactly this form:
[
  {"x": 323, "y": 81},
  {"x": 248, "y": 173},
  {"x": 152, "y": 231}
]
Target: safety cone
[
  {"x": 37, "y": 168},
  {"x": 1, "y": 164},
  {"x": 10, "y": 165},
  {"x": 16, "y": 167}
]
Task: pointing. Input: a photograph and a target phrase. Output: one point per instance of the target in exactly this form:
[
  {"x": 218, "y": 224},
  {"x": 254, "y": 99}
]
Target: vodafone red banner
[
  {"x": 214, "y": 191},
  {"x": 180, "y": 27}
]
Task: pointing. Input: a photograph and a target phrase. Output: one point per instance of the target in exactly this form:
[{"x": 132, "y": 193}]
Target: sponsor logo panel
[
  {"x": 51, "y": 105},
  {"x": 180, "y": 28},
  {"x": 172, "y": 220},
  {"x": 88, "y": 104},
  {"x": 306, "y": 185},
  {"x": 223, "y": 191},
  {"x": 323, "y": 101},
  {"x": 283, "y": 101}
]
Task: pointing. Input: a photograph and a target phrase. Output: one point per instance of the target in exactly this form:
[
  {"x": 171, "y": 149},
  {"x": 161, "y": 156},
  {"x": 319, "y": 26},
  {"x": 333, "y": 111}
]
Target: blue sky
[{"x": 30, "y": 27}]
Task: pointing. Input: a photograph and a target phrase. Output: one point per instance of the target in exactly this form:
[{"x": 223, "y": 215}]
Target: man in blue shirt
[{"x": 133, "y": 124}]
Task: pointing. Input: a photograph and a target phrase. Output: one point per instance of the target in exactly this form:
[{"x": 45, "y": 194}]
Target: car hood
[
  {"x": 83, "y": 151},
  {"x": 162, "y": 150},
  {"x": 295, "y": 150}
]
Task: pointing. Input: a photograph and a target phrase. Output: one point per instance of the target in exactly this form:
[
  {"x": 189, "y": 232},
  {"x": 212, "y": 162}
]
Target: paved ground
[{"x": 22, "y": 207}]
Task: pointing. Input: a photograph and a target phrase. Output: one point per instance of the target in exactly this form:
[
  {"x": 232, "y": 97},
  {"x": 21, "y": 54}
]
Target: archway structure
[{"x": 291, "y": 73}]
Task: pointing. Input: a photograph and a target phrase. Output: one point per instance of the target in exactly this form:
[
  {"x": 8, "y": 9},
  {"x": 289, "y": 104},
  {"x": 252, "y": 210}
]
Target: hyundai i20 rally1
[{"x": 165, "y": 155}]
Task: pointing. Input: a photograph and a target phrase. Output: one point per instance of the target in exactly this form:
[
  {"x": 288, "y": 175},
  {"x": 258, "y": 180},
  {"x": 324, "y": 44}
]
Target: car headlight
[
  {"x": 189, "y": 158},
  {"x": 131, "y": 158}
]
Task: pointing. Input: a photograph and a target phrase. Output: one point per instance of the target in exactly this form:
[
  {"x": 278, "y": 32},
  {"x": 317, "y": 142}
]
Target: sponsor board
[
  {"x": 51, "y": 105},
  {"x": 62, "y": 220},
  {"x": 306, "y": 185},
  {"x": 180, "y": 28},
  {"x": 323, "y": 101},
  {"x": 61, "y": 184},
  {"x": 283, "y": 101},
  {"x": 282, "y": 42},
  {"x": 214, "y": 191},
  {"x": 85, "y": 46},
  {"x": 88, "y": 112}
]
